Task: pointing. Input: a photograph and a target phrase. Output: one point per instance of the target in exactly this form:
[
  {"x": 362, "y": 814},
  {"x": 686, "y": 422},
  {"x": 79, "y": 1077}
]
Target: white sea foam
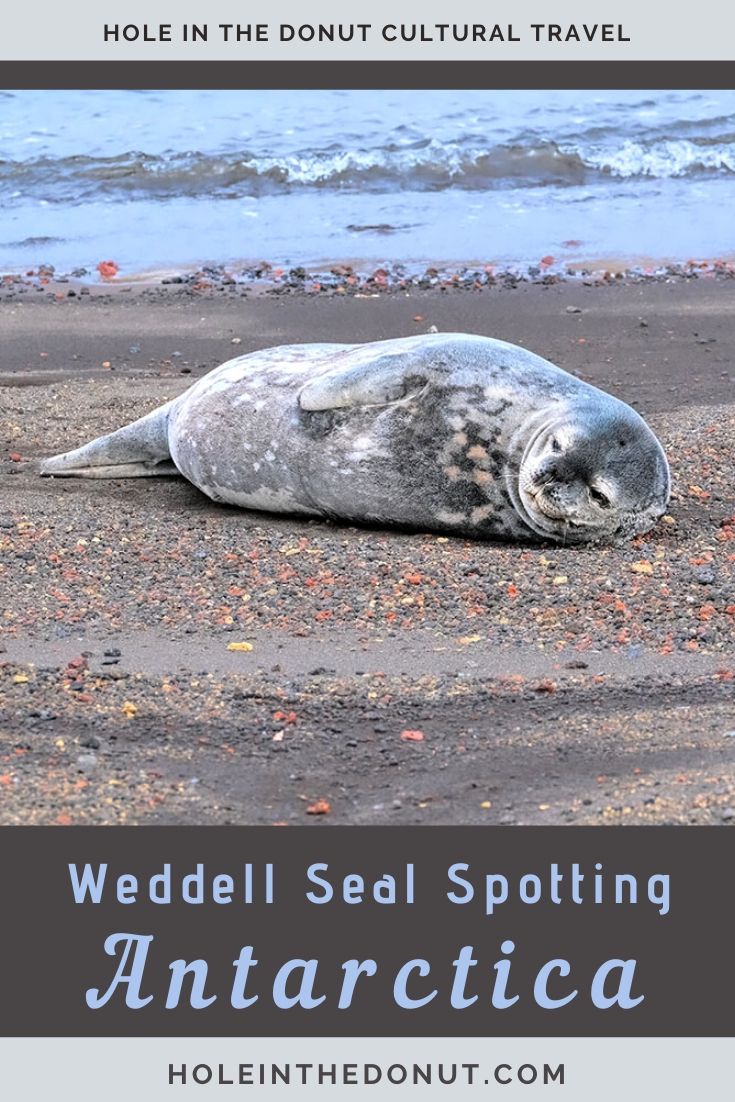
[{"x": 663, "y": 159}]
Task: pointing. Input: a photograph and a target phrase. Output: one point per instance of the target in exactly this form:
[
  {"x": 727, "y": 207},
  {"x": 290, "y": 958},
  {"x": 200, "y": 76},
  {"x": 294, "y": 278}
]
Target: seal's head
[{"x": 590, "y": 471}]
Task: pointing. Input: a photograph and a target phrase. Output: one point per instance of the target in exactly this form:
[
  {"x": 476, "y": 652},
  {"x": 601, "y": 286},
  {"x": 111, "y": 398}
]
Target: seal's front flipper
[
  {"x": 361, "y": 379},
  {"x": 139, "y": 450}
]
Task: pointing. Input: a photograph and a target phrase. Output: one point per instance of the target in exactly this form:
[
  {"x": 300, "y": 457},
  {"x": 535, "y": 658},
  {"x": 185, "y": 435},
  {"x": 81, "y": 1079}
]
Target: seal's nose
[
  {"x": 562, "y": 469},
  {"x": 566, "y": 495},
  {"x": 553, "y": 469}
]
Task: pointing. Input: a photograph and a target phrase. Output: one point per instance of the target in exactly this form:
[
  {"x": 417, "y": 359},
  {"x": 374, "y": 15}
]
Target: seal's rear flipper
[
  {"x": 139, "y": 450},
  {"x": 109, "y": 470}
]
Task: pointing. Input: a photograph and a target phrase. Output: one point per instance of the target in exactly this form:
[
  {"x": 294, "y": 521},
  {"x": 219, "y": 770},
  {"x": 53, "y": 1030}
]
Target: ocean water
[{"x": 168, "y": 180}]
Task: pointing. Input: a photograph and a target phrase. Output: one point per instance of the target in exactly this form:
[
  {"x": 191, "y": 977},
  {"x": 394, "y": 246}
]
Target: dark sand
[{"x": 551, "y": 685}]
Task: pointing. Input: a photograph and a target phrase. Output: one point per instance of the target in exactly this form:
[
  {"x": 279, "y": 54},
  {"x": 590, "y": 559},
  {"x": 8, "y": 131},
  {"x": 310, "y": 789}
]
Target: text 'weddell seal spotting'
[{"x": 450, "y": 432}]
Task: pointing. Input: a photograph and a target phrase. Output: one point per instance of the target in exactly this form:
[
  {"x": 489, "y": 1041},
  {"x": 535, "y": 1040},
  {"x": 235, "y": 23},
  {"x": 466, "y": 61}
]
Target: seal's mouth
[
  {"x": 540, "y": 503},
  {"x": 550, "y": 520}
]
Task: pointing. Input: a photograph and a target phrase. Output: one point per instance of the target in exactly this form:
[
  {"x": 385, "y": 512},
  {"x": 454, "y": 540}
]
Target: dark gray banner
[{"x": 366, "y": 932}]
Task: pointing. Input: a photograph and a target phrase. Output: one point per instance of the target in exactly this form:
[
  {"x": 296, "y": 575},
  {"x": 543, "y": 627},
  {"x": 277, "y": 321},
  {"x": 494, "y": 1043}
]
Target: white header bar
[{"x": 328, "y": 29}]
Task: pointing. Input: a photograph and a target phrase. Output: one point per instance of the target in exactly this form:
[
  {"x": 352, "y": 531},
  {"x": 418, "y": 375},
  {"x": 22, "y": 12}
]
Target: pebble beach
[{"x": 167, "y": 660}]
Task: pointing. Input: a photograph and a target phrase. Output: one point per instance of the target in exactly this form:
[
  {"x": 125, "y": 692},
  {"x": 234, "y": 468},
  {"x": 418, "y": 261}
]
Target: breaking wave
[
  {"x": 666, "y": 159},
  {"x": 422, "y": 165}
]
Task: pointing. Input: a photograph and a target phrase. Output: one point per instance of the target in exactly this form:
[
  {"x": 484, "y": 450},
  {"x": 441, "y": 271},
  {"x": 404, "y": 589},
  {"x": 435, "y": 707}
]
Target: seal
[{"x": 447, "y": 432}]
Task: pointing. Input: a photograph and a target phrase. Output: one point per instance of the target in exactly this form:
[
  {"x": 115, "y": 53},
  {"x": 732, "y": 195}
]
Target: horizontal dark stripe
[{"x": 367, "y": 74}]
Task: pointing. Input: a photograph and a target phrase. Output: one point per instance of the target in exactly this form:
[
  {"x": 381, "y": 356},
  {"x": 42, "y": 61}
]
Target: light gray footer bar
[{"x": 574, "y": 1069}]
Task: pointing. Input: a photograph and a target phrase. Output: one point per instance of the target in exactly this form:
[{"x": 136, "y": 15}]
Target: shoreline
[{"x": 356, "y": 277}]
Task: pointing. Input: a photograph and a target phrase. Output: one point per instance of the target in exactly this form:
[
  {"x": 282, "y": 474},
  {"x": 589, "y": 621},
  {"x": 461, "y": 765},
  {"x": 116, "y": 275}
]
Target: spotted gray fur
[{"x": 449, "y": 432}]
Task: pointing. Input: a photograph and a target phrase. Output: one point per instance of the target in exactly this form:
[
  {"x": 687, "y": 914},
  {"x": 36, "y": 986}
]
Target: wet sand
[{"x": 550, "y": 685}]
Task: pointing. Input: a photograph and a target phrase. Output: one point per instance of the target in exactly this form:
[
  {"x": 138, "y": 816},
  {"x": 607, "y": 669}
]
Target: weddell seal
[{"x": 450, "y": 432}]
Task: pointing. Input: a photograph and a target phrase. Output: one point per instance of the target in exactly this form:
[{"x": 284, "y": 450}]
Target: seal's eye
[
  {"x": 600, "y": 498},
  {"x": 555, "y": 445}
]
